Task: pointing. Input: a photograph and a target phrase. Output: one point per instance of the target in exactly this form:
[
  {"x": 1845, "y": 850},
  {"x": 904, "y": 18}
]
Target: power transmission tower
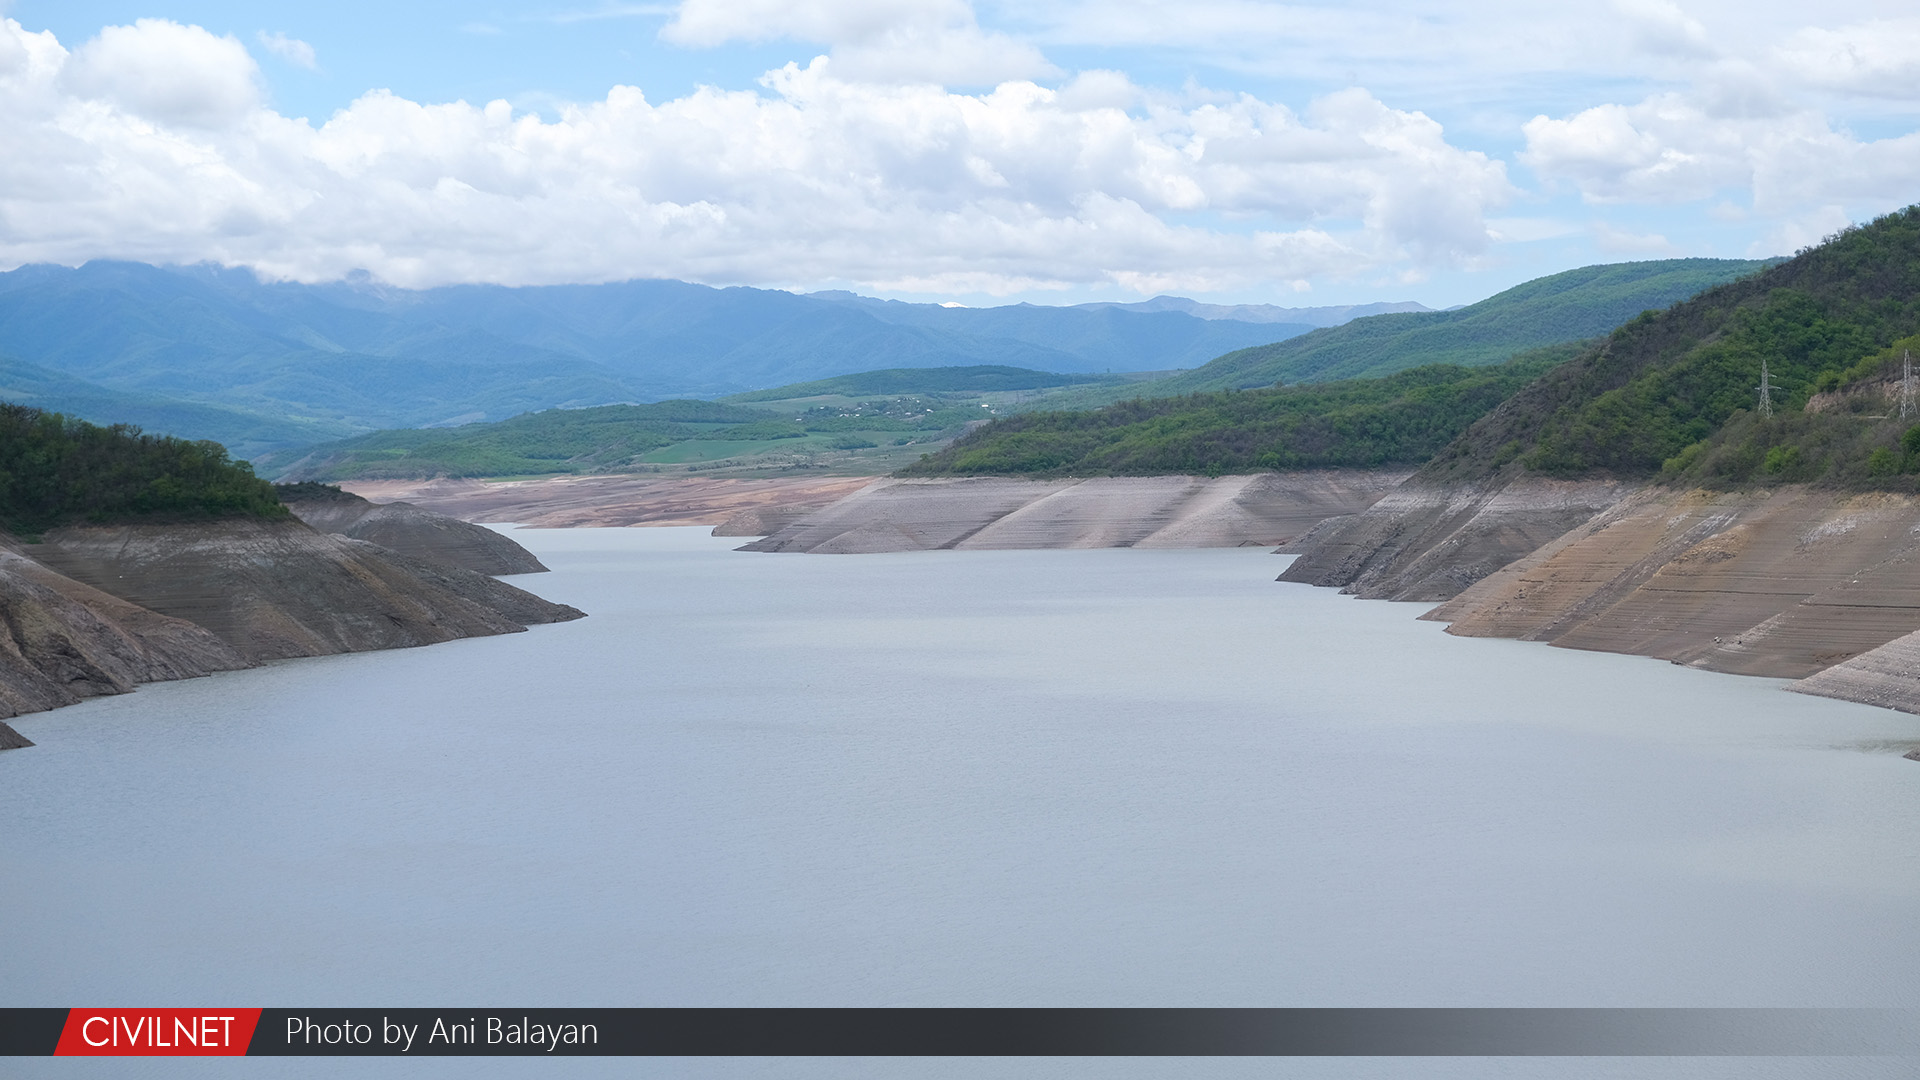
[
  {"x": 1766, "y": 390},
  {"x": 1906, "y": 384}
]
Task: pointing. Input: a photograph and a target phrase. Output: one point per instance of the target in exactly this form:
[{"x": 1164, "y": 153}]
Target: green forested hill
[
  {"x": 973, "y": 379},
  {"x": 1570, "y": 306},
  {"x": 1669, "y": 389},
  {"x": 884, "y": 418},
  {"x": 613, "y": 438},
  {"x": 1401, "y": 419},
  {"x": 55, "y": 470},
  {"x": 262, "y": 365},
  {"x": 553, "y": 441}
]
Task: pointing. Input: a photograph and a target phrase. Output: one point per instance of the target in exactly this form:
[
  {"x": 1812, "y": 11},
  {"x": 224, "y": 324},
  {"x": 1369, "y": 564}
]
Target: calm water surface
[{"x": 947, "y": 778}]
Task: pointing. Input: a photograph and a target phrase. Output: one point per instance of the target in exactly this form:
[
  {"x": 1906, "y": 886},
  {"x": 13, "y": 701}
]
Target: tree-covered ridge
[
  {"x": 553, "y": 441},
  {"x": 611, "y": 438},
  {"x": 1570, "y": 306},
  {"x": 1850, "y": 434},
  {"x": 1668, "y": 380},
  {"x": 55, "y": 470},
  {"x": 1401, "y": 419},
  {"x": 219, "y": 353},
  {"x": 974, "y": 379}
]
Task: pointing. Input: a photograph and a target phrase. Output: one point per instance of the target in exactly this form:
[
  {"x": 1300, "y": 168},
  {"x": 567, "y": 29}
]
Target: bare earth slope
[
  {"x": 1779, "y": 583},
  {"x": 757, "y": 505},
  {"x": 92, "y": 611},
  {"x": 1427, "y": 541},
  {"x": 1888, "y": 676},
  {"x": 1785, "y": 583},
  {"x": 1150, "y": 511},
  {"x": 282, "y": 589},
  {"x": 424, "y": 534},
  {"x": 62, "y": 642}
]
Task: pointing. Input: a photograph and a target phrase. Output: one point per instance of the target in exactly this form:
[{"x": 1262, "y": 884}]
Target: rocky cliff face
[
  {"x": 1427, "y": 541},
  {"x": 272, "y": 590},
  {"x": 1888, "y": 676},
  {"x": 1149, "y": 511},
  {"x": 1782, "y": 583},
  {"x": 1795, "y": 583},
  {"x": 62, "y": 642},
  {"x": 97, "y": 610},
  {"x": 422, "y": 534}
]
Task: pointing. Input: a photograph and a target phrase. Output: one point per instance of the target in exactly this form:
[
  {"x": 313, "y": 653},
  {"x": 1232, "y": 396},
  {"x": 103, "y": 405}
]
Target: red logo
[{"x": 157, "y": 1032}]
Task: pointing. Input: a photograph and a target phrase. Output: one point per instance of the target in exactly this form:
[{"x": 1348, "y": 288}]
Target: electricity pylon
[{"x": 1906, "y": 384}]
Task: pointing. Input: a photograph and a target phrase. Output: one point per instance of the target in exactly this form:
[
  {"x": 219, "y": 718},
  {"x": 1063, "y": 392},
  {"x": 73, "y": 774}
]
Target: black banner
[{"x": 910, "y": 1032}]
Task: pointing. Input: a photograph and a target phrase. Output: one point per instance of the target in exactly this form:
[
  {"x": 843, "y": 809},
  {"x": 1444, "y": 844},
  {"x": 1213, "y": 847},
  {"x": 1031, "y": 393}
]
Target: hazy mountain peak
[{"x": 1332, "y": 315}]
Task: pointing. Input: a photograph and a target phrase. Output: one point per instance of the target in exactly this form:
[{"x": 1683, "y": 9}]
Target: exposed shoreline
[
  {"x": 1006, "y": 513},
  {"x": 571, "y": 502},
  {"x": 1792, "y": 583},
  {"x": 89, "y": 611},
  {"x": 1821, "y": 587}
]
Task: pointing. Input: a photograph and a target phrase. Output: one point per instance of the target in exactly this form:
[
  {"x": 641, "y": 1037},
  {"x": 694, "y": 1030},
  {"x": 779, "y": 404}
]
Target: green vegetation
[
  {"x": 977, "y": 379},
  {"x": 1401, "y": 419},
  {"x": 1567, "y": 307},
  {"x": 1850, "y": 435},
  {"x": 555, "y": 441},
  {"x": 1673, "y": 393},
  {"x": 266, "y": 366},
  {"x": 308, "y": 491},
  {"x": 612, "y": 438},
  {"x": 55, "y": 470}
]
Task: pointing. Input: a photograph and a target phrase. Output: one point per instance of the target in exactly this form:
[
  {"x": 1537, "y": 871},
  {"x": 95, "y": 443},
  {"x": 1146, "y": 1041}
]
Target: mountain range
[
  {"x": 1551, "y": 310},
  {"x": 206, "y": 352}
]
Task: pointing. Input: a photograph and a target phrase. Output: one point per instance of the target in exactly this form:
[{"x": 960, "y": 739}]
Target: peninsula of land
[{"x": 186, "y": 565}]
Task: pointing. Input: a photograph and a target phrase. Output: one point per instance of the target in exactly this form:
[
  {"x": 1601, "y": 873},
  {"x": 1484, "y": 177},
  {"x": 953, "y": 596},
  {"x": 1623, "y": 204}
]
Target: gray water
[{"x": 1100, "y": 778}]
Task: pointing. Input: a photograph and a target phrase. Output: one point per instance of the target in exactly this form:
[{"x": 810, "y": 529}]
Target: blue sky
[{"x": 1231, "y": 150}]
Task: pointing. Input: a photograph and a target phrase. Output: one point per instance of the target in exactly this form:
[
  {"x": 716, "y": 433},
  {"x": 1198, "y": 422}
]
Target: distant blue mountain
[
  {"x": 1269, "y": 313},
  {"x": 215, "y": 353}
]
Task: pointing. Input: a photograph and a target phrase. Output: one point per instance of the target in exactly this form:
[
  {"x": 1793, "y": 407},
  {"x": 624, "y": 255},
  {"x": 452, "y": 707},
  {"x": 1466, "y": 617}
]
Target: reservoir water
[{"x": 961, "y": 778}]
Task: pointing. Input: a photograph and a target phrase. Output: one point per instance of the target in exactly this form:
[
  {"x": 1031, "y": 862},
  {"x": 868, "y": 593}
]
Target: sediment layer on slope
[
  {"x": 62, "y": 642},
  {"x": 1794, "y": 582},
  {"x": 1781, "y": 583},
  {"x": 417, "y": 532},
  {"x": 1265, "y": 510},
  {"x": 272, "y": 590},
  {"x": 1427, "y": 541},
  {"x": 567, "y": 502},
  {"x": 98, "y": 610},
  {"x": 1887, "y": 676}
]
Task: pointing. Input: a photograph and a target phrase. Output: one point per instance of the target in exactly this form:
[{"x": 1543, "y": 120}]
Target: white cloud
[
  {"x": 167, "y": 73},
  {"x": 1502, "y": 55},
  {"x": 1526, "y": 230},
  {"x": 1879, "y": 58},
  {"x": 1099, "y": 90},
  {"x": 1658, "y": 151},
  {"x": 610, "y": 11},
  {"x": 292, "y": 50},
  {"x": 1622, "y": 242},
  {"x": 902, "y": 186},
  {"x": 1662, "y": 28},
  {"x": 709, "y": 23},
  {"x": 1804, "y": 229},
  {"x": 1669, "y": 148},
  {"x": 896, "y": 41}
]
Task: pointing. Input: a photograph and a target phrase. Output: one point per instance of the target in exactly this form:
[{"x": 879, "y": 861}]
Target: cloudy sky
[{"x": 1233, "y": 150}]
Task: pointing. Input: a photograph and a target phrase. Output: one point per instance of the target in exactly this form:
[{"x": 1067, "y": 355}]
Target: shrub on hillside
[{"x": 55, "y": 470}]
